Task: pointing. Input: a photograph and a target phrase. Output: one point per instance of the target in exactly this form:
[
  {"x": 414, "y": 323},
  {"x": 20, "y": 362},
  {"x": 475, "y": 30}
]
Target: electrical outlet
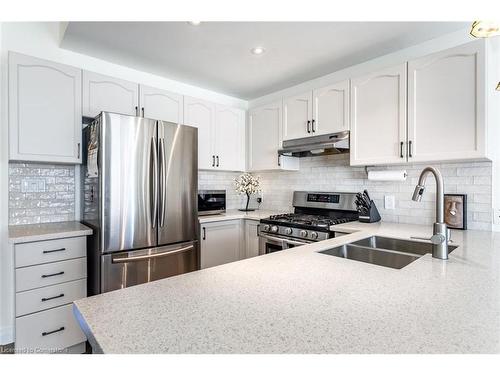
[
  {"x": 32, "y": 185},
  {"x": 496, "y": 216},
  {"x": 389, "y": 202}
]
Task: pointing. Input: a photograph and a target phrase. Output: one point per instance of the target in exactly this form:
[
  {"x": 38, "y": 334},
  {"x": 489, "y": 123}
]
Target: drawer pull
[
  {"x": 53, "y": 274},
  {"x": 54, "y": 331},
  {"x": 49, "y": 298},
  {"x": 53, "y": 251}
]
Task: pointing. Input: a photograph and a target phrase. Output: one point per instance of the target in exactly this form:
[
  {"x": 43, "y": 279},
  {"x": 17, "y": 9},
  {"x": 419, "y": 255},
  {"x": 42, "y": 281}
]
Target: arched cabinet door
[
  {"x": 162, "y": 105},
  {"x": 331, "y": 109},
  {"x": 230, "y": 138},
  {"x": 378, "y": 117},
  {"x": 103, "y": 93},
  {"x": 446, "y": 104},
  {"x": 45, "y": 110},
  {"x": 201, "y": 114}
]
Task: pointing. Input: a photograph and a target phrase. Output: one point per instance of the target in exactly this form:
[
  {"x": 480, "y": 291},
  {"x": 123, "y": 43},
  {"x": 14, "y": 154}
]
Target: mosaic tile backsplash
[{"x": 41, "y": 193}]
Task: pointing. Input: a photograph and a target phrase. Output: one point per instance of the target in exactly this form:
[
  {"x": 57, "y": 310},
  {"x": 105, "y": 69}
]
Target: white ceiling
[{"x": 216, "y": 55}]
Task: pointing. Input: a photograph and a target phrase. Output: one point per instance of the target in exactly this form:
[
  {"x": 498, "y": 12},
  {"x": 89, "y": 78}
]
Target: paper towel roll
[{"x": 387, "y": 175}]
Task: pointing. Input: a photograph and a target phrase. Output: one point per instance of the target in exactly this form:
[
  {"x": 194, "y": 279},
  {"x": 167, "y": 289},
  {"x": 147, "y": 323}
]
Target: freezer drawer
[{"x": 120, "y": 270}]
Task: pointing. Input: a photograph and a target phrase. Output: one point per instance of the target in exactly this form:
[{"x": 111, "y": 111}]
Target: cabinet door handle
[
  {"x": 53, "y": 274},
  {"x": 53, "y": 251},
  {"x": 204, "y": 233},
  {"x": 401, "y": 150},
  {"x": 78, "y": 148},
  {"x": 213, "y": 160},
  {"x": 313, "y": 128},
  {"x": 51, "y": 332},
  {"x": 142, "y": 109},
  {"x": 279, "y": 160},
  {"x": 137, "y": 111},
  {"x": 217, "y": 157},
  {"x": 308, "y": 126},
  {"x": 49, "y": 298},
  {"x": 409, "y": 149}
]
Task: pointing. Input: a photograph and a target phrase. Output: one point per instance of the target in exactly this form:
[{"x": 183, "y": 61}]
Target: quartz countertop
[
  {"x": 47, "y": 231},
  {"x": 236, "y": 214},
  {"x": 301, "y": 301}
]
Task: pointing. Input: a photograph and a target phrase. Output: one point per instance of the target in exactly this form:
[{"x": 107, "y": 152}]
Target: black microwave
[{"x": 211, "y": 202}]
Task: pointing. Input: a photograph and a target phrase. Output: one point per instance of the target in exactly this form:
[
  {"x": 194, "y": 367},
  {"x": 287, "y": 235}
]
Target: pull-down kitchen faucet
[{"x": 441, "y": 234}]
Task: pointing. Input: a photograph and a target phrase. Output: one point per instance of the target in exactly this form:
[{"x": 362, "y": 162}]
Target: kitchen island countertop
[{"x": 301, "y": 301}]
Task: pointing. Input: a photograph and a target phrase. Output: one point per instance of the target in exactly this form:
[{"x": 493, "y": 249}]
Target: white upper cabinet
[
  {"x": 378, "y": 117},
  {"x": 160, "y": 104},
  {"x": 103, "y": 93},
  {"x": 45, "y": 115},
  {"x": 331, "y": 109},
  {"x": 446, "y": 105},
  {"x": 201, "y": 114},
  {"x": 297, "y": 116},
  {"x": 230, "y": 138},
  {"x": 264, "y": 139}
]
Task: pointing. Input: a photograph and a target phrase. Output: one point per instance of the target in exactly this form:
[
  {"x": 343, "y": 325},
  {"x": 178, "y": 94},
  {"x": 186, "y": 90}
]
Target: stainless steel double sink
[{"x": 383, "y": 251}]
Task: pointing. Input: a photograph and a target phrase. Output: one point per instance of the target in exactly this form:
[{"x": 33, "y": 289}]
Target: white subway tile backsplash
[{"x": 333, "y": 173}]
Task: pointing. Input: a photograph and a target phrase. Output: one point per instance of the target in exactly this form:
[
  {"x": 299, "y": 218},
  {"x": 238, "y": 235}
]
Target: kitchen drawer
[
  {"x": 28, "y": 254},
  {"x": 50, "y": 274},
  {"x": 50, "y": 296},
  {"x": 48, "y": 331}
]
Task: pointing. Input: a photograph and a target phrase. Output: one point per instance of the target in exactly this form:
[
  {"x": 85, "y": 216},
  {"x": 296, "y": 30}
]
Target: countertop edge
[
  {"x": 96, "y": 348},
  {"x": 48, "y": 231}
]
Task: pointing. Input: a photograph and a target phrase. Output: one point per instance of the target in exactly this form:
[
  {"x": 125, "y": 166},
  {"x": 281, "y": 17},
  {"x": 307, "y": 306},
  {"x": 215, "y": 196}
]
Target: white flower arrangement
[{"x": 247, "y": 184}]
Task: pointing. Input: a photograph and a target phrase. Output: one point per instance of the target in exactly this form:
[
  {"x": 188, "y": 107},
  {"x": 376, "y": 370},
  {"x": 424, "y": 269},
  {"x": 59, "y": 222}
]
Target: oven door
[{"x": 270, "y": 244}]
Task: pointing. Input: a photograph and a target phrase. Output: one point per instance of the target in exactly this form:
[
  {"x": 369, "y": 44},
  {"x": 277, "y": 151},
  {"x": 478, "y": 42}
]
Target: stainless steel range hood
[{"x": 328, "y": 144}]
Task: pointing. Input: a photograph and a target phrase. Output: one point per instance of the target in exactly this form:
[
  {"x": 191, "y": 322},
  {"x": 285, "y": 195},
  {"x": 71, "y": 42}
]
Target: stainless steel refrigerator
[{"x": 139, "y": 195}]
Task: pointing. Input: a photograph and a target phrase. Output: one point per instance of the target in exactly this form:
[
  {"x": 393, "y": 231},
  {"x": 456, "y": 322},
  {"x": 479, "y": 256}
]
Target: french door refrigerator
[{"x": 139, "y": 195}]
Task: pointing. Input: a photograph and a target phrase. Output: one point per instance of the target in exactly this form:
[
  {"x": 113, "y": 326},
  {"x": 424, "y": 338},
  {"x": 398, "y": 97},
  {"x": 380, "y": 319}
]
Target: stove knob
[
  {"x": 303, "y": 233},
  {"x": 265, "y": 228},
  {"x": 314, "y": 235},
  {"x": 274, "y": 229},
  {"x": 288, "y": 231}
]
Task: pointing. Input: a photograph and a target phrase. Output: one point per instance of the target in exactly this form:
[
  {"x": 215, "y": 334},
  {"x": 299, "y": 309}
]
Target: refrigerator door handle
[
  {"x": 163, "y": 185},
  {"x": 154, "y": 183},
  {"x": 151, "y": 256}
]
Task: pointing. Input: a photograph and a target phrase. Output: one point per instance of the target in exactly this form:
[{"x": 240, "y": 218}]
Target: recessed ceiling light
[
  {"x": 484, "y": 29},
  {"x": 257, "y": 50},
  {"x": 194, "y": 23}
]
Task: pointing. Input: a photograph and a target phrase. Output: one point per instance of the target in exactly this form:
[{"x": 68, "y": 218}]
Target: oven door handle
[{"x": 284, "y": 240}]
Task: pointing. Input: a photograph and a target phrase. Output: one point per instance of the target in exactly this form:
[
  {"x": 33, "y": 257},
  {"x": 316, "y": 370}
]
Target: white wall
[
  {"x": 493, "y": 118},
  {"x": 6, "y": 269}
]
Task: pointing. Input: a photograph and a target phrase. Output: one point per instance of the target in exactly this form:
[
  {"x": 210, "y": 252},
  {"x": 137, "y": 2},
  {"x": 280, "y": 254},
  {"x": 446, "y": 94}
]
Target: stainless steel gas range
[{"x": 314, "y": 215}]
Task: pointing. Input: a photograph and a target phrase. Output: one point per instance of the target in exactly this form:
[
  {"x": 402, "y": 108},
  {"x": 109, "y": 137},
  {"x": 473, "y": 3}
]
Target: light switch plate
[
  {"x": 389, "y": 202},
  {"x": 32, "y": 185},
  {"x": 496, "y": 218}
]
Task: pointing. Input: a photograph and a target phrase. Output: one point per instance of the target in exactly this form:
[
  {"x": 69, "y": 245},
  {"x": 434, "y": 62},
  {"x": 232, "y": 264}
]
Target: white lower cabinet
[
  {"x": 228, "y": 241},
  {"x": 220, "y": 243},
  {"x": 49, "y": 331},
  {"x": 251, "y": 238},
  {"x": 46, "y": 286}
]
